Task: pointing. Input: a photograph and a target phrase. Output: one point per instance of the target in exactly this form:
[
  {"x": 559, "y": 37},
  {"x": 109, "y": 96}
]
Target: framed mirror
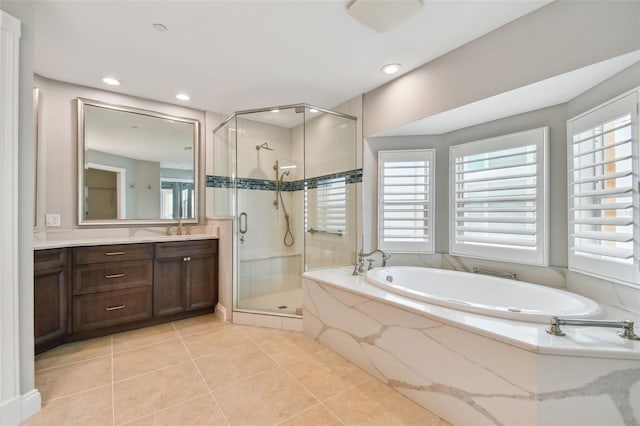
[{"x": 135, "y": 166}]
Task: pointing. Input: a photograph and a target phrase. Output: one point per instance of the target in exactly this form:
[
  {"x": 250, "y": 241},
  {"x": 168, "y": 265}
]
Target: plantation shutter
[
  {"x": 332, "y": 206},
  {"x": 405, "y": 200},
  {"x": 498, "y": 196},
  {"x": 602, "y": 186}
]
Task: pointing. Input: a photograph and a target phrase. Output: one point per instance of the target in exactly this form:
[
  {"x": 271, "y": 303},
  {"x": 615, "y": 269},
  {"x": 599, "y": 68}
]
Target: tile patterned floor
[{"x": 202, "y": 371}]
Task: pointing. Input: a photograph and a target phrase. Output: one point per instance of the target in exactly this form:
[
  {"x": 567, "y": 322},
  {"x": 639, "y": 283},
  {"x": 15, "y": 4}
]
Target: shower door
[{"x": 269, "y": 210}]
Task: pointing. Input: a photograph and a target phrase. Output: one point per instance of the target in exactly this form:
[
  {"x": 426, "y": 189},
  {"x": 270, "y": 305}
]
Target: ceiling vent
[{"x": 383, "y": 15}]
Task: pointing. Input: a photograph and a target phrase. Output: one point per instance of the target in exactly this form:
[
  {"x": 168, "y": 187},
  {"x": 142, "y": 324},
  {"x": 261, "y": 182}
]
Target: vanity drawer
[
  {"x": 109, "y": 276},
  {"x": 51, "y": 258},
  {"x": 97, "y": 310},
  {"x": 186, "y": 248},
  {"x": 112, "y": 253}
]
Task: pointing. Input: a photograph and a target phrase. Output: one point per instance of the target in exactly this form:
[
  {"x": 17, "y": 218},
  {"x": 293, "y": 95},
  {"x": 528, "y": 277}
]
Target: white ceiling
[
  {"x": 237, "y": 55},
  {"x": 552, "y": 91}
]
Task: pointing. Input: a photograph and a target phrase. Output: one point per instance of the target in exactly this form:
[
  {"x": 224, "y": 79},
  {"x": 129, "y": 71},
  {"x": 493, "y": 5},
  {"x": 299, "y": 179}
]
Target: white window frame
[
  {"x": 537, "y": 255},
  {"x": 423, "y": 247},
  {"x": 627, "y": 274}
]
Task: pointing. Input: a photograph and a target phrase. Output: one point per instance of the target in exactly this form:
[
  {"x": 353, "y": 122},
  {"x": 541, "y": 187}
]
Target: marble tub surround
[
  {"x": 470, "y": 369},
  {"x": 92, "y": 237},
  {"x": 205, "y": 371}
]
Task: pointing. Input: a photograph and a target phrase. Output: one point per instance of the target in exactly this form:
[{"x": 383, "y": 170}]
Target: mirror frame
[{"x": 81, "y": 102}]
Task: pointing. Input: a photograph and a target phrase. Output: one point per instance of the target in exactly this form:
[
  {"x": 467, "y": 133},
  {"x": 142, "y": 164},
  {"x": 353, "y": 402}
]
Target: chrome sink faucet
[{"x": 179, "y": 229}]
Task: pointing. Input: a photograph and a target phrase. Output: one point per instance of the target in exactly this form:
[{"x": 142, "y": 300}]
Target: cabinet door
[
  {"x": 169, "y": 291},
  {"x": 201, "y": 282},
  {"x": 50, "y": 307}
]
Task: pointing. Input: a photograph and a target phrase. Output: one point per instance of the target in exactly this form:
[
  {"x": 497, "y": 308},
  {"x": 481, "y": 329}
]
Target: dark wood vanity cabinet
[
  {"x": 84, "y": 292},
  {"x": 111, "y": 285},
  {"x": 185, "y": 276},
  {"x": 50, "y": 298}
]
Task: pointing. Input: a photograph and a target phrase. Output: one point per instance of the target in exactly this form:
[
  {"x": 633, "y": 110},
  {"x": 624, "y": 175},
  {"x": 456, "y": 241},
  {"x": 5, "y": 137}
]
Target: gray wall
[
  {"x": 554, "y": 117},
  {"x": 557, "y": 38}
]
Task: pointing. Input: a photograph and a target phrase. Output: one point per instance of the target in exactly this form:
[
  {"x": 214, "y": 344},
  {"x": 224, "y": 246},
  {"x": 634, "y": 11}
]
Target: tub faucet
[{"x": 362, "y": 255}]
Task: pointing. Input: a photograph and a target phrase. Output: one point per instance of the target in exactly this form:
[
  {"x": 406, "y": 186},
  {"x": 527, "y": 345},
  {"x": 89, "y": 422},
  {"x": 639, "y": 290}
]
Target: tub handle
[{"x": 625, "y": 333}]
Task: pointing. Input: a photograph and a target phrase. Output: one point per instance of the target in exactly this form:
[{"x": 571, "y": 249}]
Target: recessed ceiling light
[
  {"x": 313, "y": 110},
  {"x": 275, "y": 110},
  {"x": 391, "y": 68},
  {"x": 111, "y": 81},
  {"x": 182, "y": 96},
  {"x": 160, "y": 27}
]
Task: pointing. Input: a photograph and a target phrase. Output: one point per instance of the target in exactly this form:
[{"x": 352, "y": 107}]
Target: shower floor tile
[
  {"x": 214, "y": 373},
  {"x": 284, "y": 302}
]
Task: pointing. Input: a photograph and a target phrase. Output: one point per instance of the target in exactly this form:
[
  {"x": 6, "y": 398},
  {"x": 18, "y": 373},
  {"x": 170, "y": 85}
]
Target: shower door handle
[{"x": 242, "y": 225}]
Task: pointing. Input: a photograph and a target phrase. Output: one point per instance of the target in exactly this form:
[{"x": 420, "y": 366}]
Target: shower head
[{"x": 263, "y": 146}]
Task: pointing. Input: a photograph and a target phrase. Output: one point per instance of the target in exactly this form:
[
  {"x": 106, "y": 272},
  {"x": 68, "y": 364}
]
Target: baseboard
[
  {"x": 16, "y": 410},
  {"x": 31, "y": 404},
  {"x": 221, "y": 312}
]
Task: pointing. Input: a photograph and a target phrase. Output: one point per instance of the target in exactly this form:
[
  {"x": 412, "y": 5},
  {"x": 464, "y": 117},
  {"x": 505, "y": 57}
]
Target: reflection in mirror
[
  {"x": 36, "y": 109},
  {"x": 134, "y": 165}
]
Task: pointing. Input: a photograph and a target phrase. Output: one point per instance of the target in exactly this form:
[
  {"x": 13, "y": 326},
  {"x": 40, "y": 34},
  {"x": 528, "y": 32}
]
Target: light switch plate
[{"x": 52, "y": 219}]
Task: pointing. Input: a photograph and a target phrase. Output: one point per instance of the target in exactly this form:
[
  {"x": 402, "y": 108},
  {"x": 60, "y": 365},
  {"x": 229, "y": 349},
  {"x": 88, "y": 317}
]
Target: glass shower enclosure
[{"x": 288, "y": 176}]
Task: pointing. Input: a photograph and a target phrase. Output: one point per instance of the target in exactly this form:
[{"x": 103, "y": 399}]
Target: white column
[{"x": 12, "y": 402}]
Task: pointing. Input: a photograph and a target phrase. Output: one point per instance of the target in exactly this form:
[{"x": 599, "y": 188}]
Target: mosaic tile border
[{"x": 351, "y": 176}]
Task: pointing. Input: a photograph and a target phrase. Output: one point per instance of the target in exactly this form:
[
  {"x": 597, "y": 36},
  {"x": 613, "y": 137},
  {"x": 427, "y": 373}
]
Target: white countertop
[
  {"x": 578, "y": 341},
  {"x": 101, "y": 241}
]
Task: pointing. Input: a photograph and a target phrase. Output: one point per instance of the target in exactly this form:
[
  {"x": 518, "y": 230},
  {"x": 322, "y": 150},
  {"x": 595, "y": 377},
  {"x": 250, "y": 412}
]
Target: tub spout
[{"x": 362, "y": 255}]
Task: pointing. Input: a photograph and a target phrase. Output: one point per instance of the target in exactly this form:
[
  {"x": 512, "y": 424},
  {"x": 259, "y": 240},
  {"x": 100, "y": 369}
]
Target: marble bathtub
[{"x": 472, "y": 369}]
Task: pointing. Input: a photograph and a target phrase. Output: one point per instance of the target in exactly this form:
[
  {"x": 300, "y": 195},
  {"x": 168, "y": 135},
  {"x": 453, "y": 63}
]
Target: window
[
  {"x": 405, "y": 200},
  {"x": 332, "y": 206},
  {"x": 498, "y": 198},
  {"x": 177, "y": 199},
  {"x": 603, "y": 190}
]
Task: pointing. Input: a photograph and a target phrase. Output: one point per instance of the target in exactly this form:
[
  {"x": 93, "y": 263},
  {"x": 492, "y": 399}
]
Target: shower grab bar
[
  {"x": 319, "y": 231},
  {"x": 625, "y": 333},
  {"x": 243, "y": 229},
  {"x": 509, "y": 275}
]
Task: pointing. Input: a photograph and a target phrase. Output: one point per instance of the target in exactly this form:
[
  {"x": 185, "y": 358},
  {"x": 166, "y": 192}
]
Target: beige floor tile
[
  {"x": 202, "y": 411},
  {"x": 233, "y": 365},
  {"x": 60, "y": 381},
  {"x": 74, "y": 352},
  {"x": 214, "y": 341},
  {"x": 148, "y": 358},
  {"x": 284, "y": 346},
  {"x": 198, "y": 324},
  {"x": 143, "y": 336},
  {"x": 374, "y": 403},
  {"x": 93, "y": 407},
  {"x": 316, "y": 416},
  {"x": 325, "y": 373},
  {"x": 143, "y": 395},
  {"x": 266, "y": 399}
]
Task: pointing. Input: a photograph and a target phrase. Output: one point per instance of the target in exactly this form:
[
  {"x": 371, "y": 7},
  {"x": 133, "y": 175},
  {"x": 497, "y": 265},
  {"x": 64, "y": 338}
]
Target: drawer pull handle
[
  {"x": 115, "y": 308},
  {"x": 114, "y": 253},
  {"x": 114, "y": 276}
]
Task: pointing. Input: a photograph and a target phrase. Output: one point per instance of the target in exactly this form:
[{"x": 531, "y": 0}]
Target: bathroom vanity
[{"x": 84, "y": 291}]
